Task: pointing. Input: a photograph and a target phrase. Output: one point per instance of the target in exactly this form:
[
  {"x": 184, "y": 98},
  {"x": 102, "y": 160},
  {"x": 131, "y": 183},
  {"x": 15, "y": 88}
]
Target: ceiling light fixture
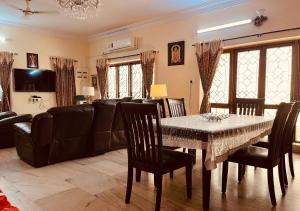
[
  {"x": 80, "y": 9},
  {"x": 224, "y": 26}
]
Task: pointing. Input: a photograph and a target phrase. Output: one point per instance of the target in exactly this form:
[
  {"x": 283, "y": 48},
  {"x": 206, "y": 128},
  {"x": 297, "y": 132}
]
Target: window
[
  {"x": 247, "y": 74},
  {"x": 112, "y": 88},
  {"x": 262, "y": 71},
  {"x": 125, "y": 80},
  {"x": 219, "y": 92},
  {"x": 278, "y": 75}
]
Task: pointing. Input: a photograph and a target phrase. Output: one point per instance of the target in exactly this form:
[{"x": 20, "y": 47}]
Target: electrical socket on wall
[{"x": 35, "y": 99}]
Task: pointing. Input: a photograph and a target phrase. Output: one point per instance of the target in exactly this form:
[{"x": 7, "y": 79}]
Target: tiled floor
[{"x": 98, "y": 183}]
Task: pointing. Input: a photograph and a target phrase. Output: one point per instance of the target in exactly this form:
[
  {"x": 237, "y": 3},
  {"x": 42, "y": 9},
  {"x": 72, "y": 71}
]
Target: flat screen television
[{"x": 28, "y": 80}]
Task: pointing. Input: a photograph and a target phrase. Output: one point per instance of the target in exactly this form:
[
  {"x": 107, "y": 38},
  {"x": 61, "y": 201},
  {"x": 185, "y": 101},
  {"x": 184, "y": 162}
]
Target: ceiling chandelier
[{"x": 80, "y": 9}]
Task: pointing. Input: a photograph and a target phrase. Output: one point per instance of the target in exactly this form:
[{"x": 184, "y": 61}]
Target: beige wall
[
  {"x": 45, "y": 44},
  {"x": 282, "y": 14}
]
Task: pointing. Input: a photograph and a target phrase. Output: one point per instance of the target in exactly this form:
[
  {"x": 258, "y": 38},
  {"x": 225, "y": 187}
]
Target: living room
[{"x": 135, "y": 51}]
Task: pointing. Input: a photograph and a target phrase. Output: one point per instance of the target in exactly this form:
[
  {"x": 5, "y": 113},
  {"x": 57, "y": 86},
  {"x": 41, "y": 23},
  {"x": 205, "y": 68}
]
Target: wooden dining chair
[
  {"x": 249, "y": 106},
  {"x": 288, "y": 139},
  {"x": 176, "y": 108},
  {"x": 266, "y": 158},
  {"x": 145, "y": 152},
  {"x": 162, "y": 110},
  {"x": 161, "y": 104}
]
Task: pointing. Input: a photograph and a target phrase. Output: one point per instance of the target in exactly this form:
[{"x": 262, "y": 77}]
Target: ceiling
[{"x": 113, "y": 15}]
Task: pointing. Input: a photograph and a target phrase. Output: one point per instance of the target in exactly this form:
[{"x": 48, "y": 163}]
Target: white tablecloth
[{"x": 220, "y": 139}]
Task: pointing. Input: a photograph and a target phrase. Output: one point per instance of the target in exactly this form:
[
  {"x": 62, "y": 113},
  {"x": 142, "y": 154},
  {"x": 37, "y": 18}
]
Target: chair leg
[
  {"x": 271, "y": 186},
  {"x": 240, "y": 172},
  {"x": 171, "y": 174},
  {"x": 244, "y": 170},
  {"x": 291, "y": 162},
  {"x": 129, "y": 184},
  {"x": 188, "y": 178},
  {"x": 281, "y": 176},
  {"x": 285, "y": 180},
  {"x": 138, "y": 175},
  {"x": 155, "y": 180},
  {"x": 224, "y": 176},
  {"x": 158, "y": 192},
  {"x": 183, "y": 150},
  {"x": 193, "y": 152}
]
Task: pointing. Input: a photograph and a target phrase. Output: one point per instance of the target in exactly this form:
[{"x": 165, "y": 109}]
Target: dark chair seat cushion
[
  {"x": 252, "y": 155},
  {"x": 171, "y": 156}
]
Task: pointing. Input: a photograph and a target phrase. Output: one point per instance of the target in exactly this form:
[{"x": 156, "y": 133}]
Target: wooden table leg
[{"x": 206, "y": 180}]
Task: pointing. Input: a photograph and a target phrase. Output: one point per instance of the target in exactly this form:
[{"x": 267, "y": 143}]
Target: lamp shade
[
  {"x": 88, "y": 91},
  {"x": 158, "y": 90}
]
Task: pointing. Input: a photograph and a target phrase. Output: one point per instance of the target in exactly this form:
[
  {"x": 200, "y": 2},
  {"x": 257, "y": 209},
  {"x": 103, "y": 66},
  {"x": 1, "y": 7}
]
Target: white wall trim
[{"x": 178, "y": 15}]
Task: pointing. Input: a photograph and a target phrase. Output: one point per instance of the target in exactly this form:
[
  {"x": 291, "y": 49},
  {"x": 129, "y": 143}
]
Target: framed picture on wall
[
  {"x": 32, "y": 60},
  {"x": 94, "y": 81},
  {"x": 176, "y": 53}
]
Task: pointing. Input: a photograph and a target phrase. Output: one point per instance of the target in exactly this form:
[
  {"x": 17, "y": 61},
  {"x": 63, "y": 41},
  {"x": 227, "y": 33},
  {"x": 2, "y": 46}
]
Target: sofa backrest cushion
[
  {"x": 71, "y": 130},
  {"x": 102, "y": 125}
]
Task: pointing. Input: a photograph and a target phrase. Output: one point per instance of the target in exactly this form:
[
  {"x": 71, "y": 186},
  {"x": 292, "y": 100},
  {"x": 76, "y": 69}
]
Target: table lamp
[
  {"x": 89, "y": 92},
  {"x": 158, "y": 91}
]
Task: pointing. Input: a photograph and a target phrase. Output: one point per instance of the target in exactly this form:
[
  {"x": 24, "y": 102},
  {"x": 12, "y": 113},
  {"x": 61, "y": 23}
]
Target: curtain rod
[
  {"x": 260, "y": 34},
  {"x": 121, "y": 57}
]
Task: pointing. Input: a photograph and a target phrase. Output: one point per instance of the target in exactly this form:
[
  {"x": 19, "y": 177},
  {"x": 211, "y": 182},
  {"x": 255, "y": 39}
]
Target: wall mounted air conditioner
[{"x": 126, "y": 44}]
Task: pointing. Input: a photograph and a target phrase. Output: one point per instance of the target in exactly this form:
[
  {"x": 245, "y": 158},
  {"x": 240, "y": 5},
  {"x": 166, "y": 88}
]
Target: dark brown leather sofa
[
  {"x": 7, "y": 120},
  {"x": 108, "y": 131},
  {"x": 65, "y": 133},
  {"x": 60, "y": 134}
]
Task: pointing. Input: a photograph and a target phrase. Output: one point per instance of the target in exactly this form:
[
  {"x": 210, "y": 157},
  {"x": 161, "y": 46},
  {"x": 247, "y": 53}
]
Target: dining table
[{"x": 216, "y": 139}]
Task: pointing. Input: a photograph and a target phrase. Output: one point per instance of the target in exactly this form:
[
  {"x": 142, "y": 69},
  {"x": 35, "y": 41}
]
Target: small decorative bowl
[{"x": 215, "y": 116}]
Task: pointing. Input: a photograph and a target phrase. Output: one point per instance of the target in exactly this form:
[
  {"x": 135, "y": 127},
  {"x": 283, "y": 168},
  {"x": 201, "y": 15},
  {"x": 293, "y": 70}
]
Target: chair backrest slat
[
  {"x": 249, "y": 106},
  {"x": 147, "y": 139},
  {"x": 144, "y": 139},
  {"x": 176, "y": 107}
]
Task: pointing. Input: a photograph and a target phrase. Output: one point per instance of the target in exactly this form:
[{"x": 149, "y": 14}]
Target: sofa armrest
[
  {"x": 7, "y": 114},
  {"x": 15, "y": 119}
]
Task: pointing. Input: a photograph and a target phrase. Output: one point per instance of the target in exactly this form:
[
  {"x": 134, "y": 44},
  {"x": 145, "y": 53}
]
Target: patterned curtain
[
  {"x": 208, "y": 56},
  {"x": 102, "y": 70},
  {"x": 147, "y": 62},
  {"x": 65, "y": 80},
  {"x": 6, "y": 63}
]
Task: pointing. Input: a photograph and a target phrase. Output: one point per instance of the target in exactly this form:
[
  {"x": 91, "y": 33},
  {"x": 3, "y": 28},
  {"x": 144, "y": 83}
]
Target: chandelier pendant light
[{"x": 80, "y": 9}]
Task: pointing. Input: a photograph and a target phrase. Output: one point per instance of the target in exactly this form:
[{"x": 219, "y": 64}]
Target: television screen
[{"x": 27, "y": 80}]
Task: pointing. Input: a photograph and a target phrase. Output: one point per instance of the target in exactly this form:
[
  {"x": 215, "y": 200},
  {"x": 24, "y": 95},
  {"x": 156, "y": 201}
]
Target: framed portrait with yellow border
[{"x": 176, "y": 53}]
